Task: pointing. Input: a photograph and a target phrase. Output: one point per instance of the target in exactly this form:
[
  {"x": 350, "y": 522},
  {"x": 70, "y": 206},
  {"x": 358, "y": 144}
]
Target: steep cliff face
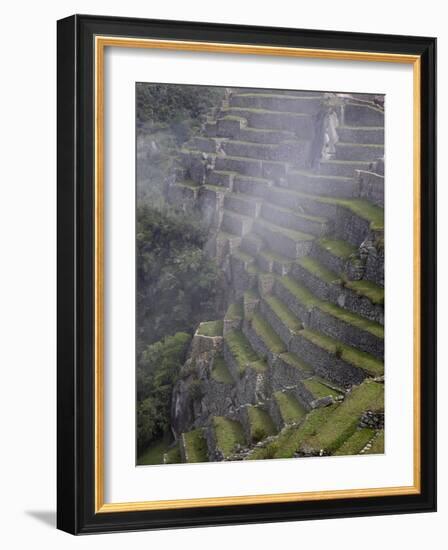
[{"x": 292, "y": 189}]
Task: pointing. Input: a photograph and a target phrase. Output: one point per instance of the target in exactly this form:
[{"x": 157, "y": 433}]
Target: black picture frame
[{"x": 75, "y": 310}]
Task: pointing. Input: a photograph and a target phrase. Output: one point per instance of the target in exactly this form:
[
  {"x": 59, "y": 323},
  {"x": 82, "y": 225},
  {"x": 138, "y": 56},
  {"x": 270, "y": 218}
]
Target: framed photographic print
[{"x": 246, "y": 274}]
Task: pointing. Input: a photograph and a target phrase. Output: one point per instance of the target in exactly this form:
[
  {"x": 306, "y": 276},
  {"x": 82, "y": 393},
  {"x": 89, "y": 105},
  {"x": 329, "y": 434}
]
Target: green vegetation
[
  {"x": 172, "y": 456},
  {"x": 267, "y": 334},
  {"x": 211, "y": 328},
  {"x": 228, "y": 433},
  {"x": 260, "y": 424},
  {"x": 343, "y": 422},
  {"x": 352, "y": 319},
  {"x": 368, "y": 289},
  {"x": 155, "y": 452},
  {"x": 290, "y": 439},
  {"x": 283, "y": 313},
  {"x": 356, "y": 442},
  {"x": 235, "y": 311},
  {"x": 357, "y": 358},
  {"x": 319, "y": 389},
  {"x": 341, "y": 249},
  {"x": 317, "y": 269},
  {"x": 242, "y": 351},
  {"x": 377, "y": 447},
  {"x": 291, "y": 233},
  {"x": 171, "y": 242},
  {"x": 292, "y": 360},
  {"x": 303, "y": 295},
  {"x": 290, "y": 409},
  {"x": 220, "y": 372},
  {"x": 157, "y": 371},
  {"x": 195, "y": 446}
]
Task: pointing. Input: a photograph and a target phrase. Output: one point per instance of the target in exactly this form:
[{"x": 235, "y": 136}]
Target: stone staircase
[{"x": 298, "y": 358}]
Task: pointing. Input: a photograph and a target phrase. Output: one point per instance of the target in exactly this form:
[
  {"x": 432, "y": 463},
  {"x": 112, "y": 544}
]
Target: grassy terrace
[
  {"x": 318, "y": 270},
  {"x": 273, "y": 256},
  {"x": 377, "y": 444},
  {"x": 343, "y": 422},
  {"x": 292, "y": 360},
  {"x": 172, "y": 456},
  {"x": 352, "y": 319},
  {"x": 231, "y": 110},
  {"x": 263, "y": 329},
  {"x": 350, "y": 355},
  {"x": 260, "y": 424},
  {"x": 293, "y": 211},
  {"x": 242, "y": 351},
  {"x": 303, "y": 295},
  {"x": 319, "y": 389},
  {"x": 356, "y": 442},
  {"x": 283, "y": 313},
  {"x": 290, "y": 439},
  {"x": 220, "y": 372},
  {"x": 235, "y": 311},
  {"x": 188, "y": 183},
  {"x": 368, "y": 289},
  {"x": 210, "y": 328},
  {"x": 279, "y": 96},
  {"x": 291, "y": 233},
  {"x": 290, "y": 409},
  {"x": 228, "y": 434},
  {"x": 195, "y": 446},
  {"x": 341, "y": 249}
]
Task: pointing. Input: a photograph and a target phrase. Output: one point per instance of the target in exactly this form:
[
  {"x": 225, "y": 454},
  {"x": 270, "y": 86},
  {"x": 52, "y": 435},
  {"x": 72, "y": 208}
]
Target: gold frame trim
[{"x": 101, "y": 42}]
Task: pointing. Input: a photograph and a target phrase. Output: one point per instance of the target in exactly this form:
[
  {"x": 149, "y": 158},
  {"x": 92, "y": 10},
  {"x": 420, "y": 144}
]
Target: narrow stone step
[
  {"x": 264, "y": 135},
  {"x": 280, "y": 318},
  {"x": 301, "y": 124},
  {"x": 225, "y": 435},
  {"x": 277, "y": 102},
  {"x": 244, "y": 165},
  {"x": 291, "y": 219},
  {"x": 333, "y": 360},
  {"x": 288, "y": 242},
  {"x": 358, "y": 151},
  {"x": 222, "y": 178},
  {"x": 362, "y": 115},
  {"x": 193, "y": 446},
  {"x": 243, "y": 204},
  {"x": 230, "y": 126},
  {"x": 253, "y": 186},
  {"x": 260, "y": 151},
  {"x": 361, "y": 134},
  {"x": 317, "y": 184},
  {"x": 273, "y": 263},
  {"x": 183, "y": 192},
  {"x": 317, "y": 393},
  {"x": 344, "y": 168},
  {"x": 342, "y": 423},
  {"x": 236, "y": 224}
]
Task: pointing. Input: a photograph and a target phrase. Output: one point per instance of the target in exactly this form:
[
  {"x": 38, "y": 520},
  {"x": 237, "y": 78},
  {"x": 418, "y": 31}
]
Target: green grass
[
  {"x": 154, "y": 453},
  {"x": 354, "y": 357},
  {"x": 283, "y": 313},
  {"x": 242, "y": 351},
  {"x": 260, "y": 424},
  {"x": 267, "y": 111},
  {"x": 235, "y": 311},
  {"x": 211, "y": 328},
  {"x": 274, "y": 257},
  {"x": 318, "y": 270},
  {"x": 341, "y": 249},
  {"x": 233, "y": 117},
  {"x": 220, "y": 372},
  {"x": 377, "y": 447},
  {"x": 282, "y": 209},
  {"x": 290, "y": 409},
  {"x": 319, "y": 389},
  {"x": 356, "y": 442},
  {"x": 343, "y": 422},
  {"x": 352, "y": 319},
  {"x": 264, "y": 330},
  {"x": 243, "y": 256},
  {"x": 292, "y": 360},
  {"x": 294, "y": 235},
  {"x": 301, "y": 293},
  {"x": 228, "y": 434},
  {"x": 172, "y": 456},
  {"x": 368, "y": 289},
  {"x": 290, "y": 439},
  {"x": 195, "y": 446}
]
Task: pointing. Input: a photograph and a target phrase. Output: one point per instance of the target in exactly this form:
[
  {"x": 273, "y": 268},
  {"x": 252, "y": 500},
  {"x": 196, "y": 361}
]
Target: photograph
[{"x": 259, "y": 273}]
